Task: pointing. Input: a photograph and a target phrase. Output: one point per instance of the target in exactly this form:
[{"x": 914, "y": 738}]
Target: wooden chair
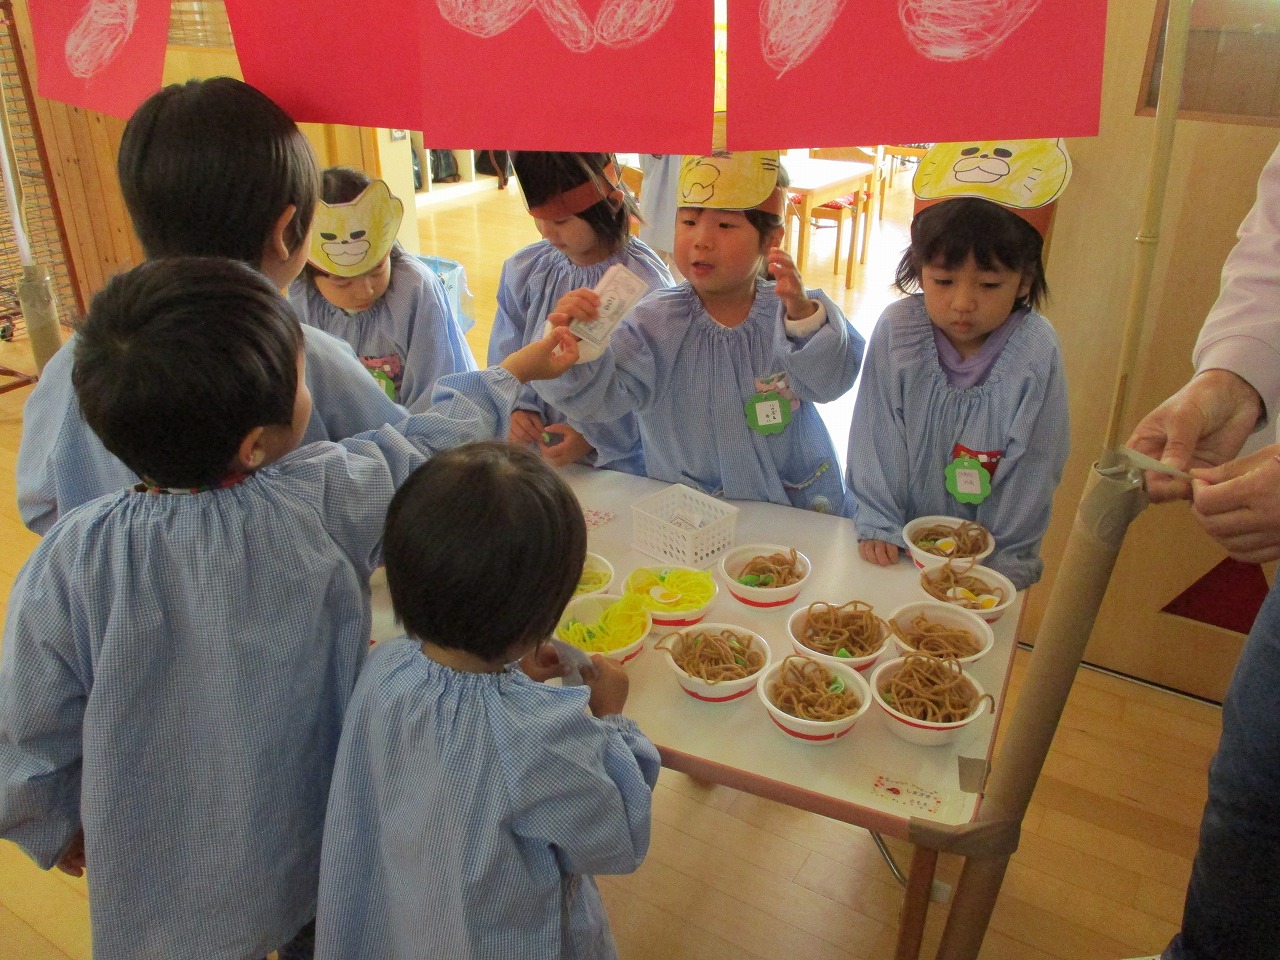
[
  {"x": 632, "y": 178},
  {"x": 858, "y": 205}
]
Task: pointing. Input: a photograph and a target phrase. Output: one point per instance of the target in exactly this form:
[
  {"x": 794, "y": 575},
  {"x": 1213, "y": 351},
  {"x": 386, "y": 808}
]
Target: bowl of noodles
[
  {"x": 986, "y": 592},
  {"x": 933, "y": 540},
  {"x": 942, "y": 630},
  {"x": 716, "y": 662},
  {"x": 765, "y": 574},
  {"x": 597, "y": 574},
  {"x": 812, "y": 701},
  {"x": 606, "y": 623},
  {"x": 847, "y": 634},
  {"x": 929, "y": 701},
  {"x": 674, "y": 596}
]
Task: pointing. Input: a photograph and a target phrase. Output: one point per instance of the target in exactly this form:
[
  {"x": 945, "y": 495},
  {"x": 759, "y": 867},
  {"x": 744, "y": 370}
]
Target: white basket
[{"x": 656, "y": 535}]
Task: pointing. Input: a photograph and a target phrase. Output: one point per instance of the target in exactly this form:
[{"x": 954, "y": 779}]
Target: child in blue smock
[
  {"x": 724, "y": 371},
  {"x": 584, "y": 215},
  {"x": 361, "y": 286},
  {"x": 471, "y": 803},
  {"x": 207, "y": 168},
  {"x": 964, "y": 377},
  {"x": 178, "y": 656}
]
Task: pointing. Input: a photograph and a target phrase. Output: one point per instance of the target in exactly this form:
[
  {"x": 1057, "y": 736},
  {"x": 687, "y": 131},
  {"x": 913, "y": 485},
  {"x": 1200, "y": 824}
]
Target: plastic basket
[
  {"x": 454, "y": 278},
  {"x": 655, "y": 533}
]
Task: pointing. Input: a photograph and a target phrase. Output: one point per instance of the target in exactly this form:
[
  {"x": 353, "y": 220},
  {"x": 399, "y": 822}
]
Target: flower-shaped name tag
[
  {"x": 967, "y": 480},
  {"x": 768, "y": 412}
]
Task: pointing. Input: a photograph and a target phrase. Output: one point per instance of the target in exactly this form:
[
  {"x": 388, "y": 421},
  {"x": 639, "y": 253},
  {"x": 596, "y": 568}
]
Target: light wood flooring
[{"x": 1106, "y": 847}]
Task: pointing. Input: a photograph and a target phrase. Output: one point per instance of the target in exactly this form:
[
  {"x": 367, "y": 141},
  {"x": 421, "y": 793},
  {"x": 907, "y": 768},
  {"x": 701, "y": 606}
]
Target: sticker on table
[
  {"x": 596, "y": 518},
  {"x": 907, "y": 794}
]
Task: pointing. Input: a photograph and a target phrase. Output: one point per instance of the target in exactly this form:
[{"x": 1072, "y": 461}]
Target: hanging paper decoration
[
  {"x": 912, "y": 71},
  {"x": 103, "y": 55}
]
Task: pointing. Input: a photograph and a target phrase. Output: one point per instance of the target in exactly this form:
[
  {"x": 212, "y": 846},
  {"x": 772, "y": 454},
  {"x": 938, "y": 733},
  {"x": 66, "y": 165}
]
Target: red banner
[
  {"x": 827, "y": 73},
  {"x": 103, "y": 55}
]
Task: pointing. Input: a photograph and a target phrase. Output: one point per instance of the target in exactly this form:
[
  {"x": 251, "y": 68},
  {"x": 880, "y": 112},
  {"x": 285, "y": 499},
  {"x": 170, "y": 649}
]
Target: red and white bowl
[
  {"x": 815, "y": 731},
  {"x": 948, "y": 615},
  {"x": 795, "y": 630},
  {"x": 987, "y": 575},
  {"x": 726, "y": 690},
  {"x": 921, "y": 732},
  {"x": 682, "y": 616},
  {"x": 733, "y": 562},
  {"x": 925, "y": 560}
]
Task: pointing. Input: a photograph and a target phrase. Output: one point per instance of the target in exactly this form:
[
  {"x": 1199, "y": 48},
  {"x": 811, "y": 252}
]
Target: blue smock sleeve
[
  {"x": 43, "y": 693},
  {"x": 436, "y": 344},
  {"x": 42, "y": 416},
  {"x": 823, "y": 366},
  {"x": 346, "y": 399},
  {"x": 878, "y": 464},
  {"x": 507, "y": 337},
  {"x": 588, "y": 791},
  {"x": 620, "y": 381},
  {"x": 1018, "y": 510}
]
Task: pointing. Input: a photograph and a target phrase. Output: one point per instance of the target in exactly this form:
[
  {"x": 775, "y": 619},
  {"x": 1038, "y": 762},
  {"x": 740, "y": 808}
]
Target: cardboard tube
[
  {"x": 1112, "y": 498},
  {"x": 40, "y": 311}
]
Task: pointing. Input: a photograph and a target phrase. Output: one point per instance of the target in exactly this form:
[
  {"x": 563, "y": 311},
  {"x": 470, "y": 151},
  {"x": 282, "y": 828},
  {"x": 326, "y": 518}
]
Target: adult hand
[
  {"x": 572, "y": 447},
  {"x": 526, "y": 427},
  {"x": 1202, "y": 425},
  {"x": 1238, "y": 504},
  {"x": 880, "y": 552},
  {"x": 789, "y": 287}
]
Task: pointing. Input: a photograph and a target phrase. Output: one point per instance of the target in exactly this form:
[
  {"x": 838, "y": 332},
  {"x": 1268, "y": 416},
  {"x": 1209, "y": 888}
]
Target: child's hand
[
  {"x": 572, "y": 447},
  {"x": 544, "y": 359},
  {"x": 542, "y": 663},
  {"x": 72, "y": 860},
  {"x": 581, "y": 304},
  {"x": 880, "y": 552},
  {"x": 608, "y": 683},
  {"x": 790, "y": 288},
  {"x": 526, "y": 427}
]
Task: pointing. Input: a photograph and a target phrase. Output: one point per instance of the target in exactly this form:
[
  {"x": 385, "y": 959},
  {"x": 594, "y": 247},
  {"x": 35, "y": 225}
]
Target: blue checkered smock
[
  {"x": 468, "y": 811},
  {"x": 533, "y": 281},
  {"x": 908, "y": 419},
  {"x": 174, "y": 675},
  {"x": 62, "y": 464}
]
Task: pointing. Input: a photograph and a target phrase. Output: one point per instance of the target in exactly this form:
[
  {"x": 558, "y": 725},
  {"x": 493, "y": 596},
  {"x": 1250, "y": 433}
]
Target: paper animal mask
[
  {"x": 742, "y": 180},
  {"x": 1021, "y": 174},
  {"x": 351, "y": 238}
]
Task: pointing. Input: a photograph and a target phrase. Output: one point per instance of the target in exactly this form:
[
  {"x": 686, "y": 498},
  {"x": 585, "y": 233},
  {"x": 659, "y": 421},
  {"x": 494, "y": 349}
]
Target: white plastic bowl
[
  {"x": 731, "y": 565},
  {"x": 725, "y": 690},
  {"x": 676, "y": 618},
  {"x": 597, "y": 563},
  {"x": 923, "y": 558},
  {"x": 949, "y": 615},
  {"x": 921, "y": 732},
  {"x": 987, "y": 575},
  {"x": 589, "y": 608},
  {"x": 815, "y": 731},
  {"x": 795, "y": 630}
]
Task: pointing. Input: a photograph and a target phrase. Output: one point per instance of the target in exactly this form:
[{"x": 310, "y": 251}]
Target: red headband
[{"x": 582, "y": 197}]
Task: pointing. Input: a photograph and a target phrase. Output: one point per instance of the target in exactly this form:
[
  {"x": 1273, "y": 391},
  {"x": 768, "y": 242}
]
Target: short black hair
[
  {"x": 951, "y": 230},
  {"x": 179, "y": 359},
  {"x": 342, "y": 185},
  {"x": 544, "y": 174},
  {"x": 484, "y": 547},
  {"x": 208, "y": 166}
]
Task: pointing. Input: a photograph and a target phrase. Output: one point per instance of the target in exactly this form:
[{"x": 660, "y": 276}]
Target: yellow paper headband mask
[
  {"x": 746, "y": 180},
  {"x": 1019, "y": 174},
  {"x": 352, "y": 238}
]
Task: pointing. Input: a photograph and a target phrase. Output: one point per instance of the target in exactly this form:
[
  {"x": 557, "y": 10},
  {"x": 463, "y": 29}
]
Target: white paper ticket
[{"x": 619, "y": 290}]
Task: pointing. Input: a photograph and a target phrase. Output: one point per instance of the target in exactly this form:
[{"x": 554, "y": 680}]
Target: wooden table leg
[
  {"x": 802, "y": 231},
  {"x": 915, "y": 903}
]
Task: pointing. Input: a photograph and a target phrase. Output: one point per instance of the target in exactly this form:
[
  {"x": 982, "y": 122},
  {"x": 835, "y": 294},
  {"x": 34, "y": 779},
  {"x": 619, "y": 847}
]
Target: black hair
[
  {"x": 546, "y": 174},
  {"x": 179, "y": 359},
  {"x": 342, "y": 185},
  {"x": 208, "y": 166},
  {"x": 484, "y": 546},
  {"x": 951, "y": 230},
  {"x": 766, "y": 223}
]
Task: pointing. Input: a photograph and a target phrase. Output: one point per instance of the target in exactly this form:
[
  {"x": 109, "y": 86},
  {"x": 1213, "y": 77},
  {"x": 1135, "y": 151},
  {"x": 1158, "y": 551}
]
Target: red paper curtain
[{"x": 624, "y": 75}]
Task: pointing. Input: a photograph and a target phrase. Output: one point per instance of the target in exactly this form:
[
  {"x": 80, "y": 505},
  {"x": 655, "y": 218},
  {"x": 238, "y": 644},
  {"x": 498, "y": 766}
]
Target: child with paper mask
[
  {"x": 360, "y": 285},
  {"x": 178, "y": 656},
  {"x": 471, "y": 804},
  {"x": 584, "y": 214},
  {"x": 724, "y": 370},
  {"x": 208, "y": 168},
  {"x": 962, "y": 410}
]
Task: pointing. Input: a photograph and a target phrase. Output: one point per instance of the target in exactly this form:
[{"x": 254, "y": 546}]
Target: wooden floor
[{"x": 1106, "y": 847}]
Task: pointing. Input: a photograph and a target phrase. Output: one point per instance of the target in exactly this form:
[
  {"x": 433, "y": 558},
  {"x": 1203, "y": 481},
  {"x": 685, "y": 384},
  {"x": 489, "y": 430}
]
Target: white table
[{"x": 870, "y": 777}]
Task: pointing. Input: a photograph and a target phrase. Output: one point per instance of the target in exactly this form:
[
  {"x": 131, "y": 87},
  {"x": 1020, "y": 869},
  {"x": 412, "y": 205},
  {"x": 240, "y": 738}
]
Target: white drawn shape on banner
[
  {"x": 98, "y": 35},
  {"x": 624, "y": 23},
  {"x": 790, "y": 30},
  {"x": 952, "y": 30},
  {"x": 620, "y": 23}
]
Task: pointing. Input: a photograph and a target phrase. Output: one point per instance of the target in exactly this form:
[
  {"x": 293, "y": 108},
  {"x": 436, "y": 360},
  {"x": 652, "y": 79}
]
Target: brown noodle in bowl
[
  {"x": 852, "y": 628},
  {"x": 772, "y": 570},
  {"x": 941, "y": 581},
  {"x": 934, "y": 690},
  {"x": 713, "y": 657},
  {"x": 970, "y": 539},
  {"x": 937, "y": 639},
  {"x": 806, "y": 689}
]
